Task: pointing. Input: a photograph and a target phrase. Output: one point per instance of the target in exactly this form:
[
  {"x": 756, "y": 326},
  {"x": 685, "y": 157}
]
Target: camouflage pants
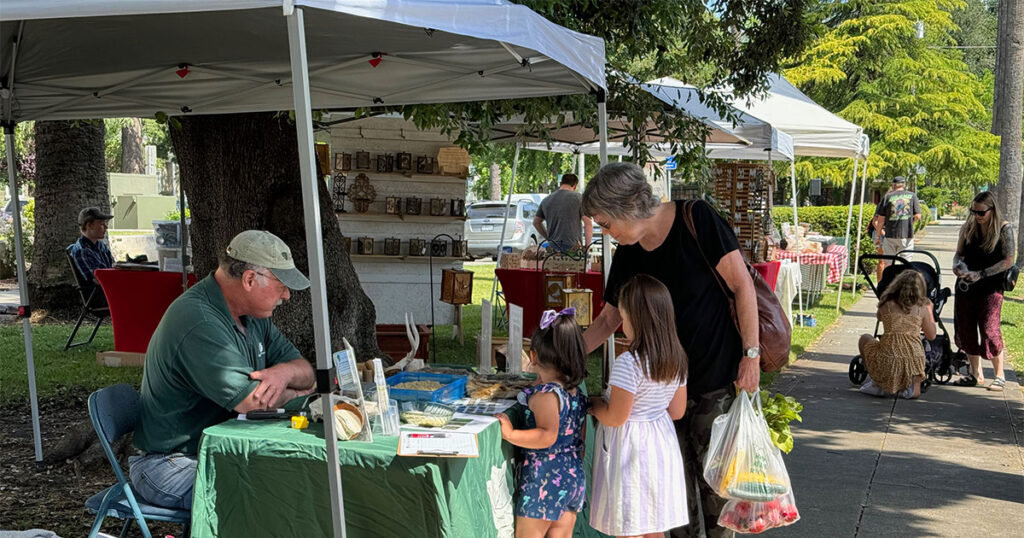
[{"x": 694, "y": 431}]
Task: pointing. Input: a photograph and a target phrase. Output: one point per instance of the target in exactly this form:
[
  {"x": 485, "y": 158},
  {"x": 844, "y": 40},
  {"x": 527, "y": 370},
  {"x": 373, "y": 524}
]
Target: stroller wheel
[
  {"x": 942, "y": 376},
  {"x": 858, "y": 372}
]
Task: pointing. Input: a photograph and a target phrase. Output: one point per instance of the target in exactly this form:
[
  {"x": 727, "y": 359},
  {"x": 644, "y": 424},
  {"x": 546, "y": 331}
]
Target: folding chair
[
  {"x": 114, "y": 411},
  {"x": 90, "y": 304}
]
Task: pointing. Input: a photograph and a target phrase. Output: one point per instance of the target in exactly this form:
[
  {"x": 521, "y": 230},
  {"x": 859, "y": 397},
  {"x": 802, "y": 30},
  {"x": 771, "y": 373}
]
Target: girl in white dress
[{"x": 638, "y": 484}]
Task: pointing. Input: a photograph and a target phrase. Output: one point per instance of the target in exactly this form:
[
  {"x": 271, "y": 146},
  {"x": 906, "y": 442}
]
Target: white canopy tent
[{"x": 71, "y": 59}]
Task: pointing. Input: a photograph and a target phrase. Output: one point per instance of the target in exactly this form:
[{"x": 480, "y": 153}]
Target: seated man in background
[
  {"x": 560, "y": 216},
  {"x": 90, "y": 252},
  {"x": 215, "y": 354}
]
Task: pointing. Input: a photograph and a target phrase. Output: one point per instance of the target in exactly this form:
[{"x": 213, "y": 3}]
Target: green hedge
[{"x": 830, "y": 220}]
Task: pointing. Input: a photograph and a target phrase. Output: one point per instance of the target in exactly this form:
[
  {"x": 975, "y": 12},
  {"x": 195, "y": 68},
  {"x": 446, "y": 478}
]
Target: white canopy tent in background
[
  {"x": 572, "y": 137},
  {"x": 814, "y": 131},
  {"x": 65, "y": 59}
]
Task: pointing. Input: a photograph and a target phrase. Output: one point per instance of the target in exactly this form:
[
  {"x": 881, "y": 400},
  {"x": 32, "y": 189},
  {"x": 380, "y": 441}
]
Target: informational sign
[
  {"x": 514, "y": 350},
  {"x": 670, "y": 163},
  {"x": 483, "y": 351}
]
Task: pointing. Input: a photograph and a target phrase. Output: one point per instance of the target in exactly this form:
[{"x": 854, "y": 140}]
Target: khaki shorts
[{"x": 894, "y": 245}]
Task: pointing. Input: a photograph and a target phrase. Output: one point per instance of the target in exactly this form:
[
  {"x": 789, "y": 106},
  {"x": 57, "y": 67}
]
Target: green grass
[
  {"x": 58, "y": 370},
  {"x": 1012, "y": 324},
  {"x": 825, "y": 312}
]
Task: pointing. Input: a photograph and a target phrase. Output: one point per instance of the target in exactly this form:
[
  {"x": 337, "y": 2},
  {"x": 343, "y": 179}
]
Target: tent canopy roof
[
  {"x": 816, "y": 132},
  {"x": 102, "y": 58}
]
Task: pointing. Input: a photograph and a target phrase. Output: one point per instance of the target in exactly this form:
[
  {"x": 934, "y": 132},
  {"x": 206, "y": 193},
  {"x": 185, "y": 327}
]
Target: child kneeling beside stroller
[{"x": 895, "y": 362}]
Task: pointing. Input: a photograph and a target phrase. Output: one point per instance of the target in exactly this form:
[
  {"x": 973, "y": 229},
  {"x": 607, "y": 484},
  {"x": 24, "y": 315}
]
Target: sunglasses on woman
[{"x": 981, "y": 213}]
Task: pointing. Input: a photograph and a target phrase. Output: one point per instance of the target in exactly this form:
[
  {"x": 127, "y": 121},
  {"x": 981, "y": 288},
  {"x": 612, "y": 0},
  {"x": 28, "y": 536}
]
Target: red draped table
[
  {"x": 523, "y": 287},
  {"x": 138, "y": 300}
]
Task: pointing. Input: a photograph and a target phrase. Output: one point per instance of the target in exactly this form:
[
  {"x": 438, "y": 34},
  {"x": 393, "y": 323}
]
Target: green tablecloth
[{"x": 266, "y": 479}]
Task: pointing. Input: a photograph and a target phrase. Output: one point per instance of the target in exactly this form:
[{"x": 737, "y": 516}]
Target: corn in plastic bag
[{"x": 742, "y": 462}]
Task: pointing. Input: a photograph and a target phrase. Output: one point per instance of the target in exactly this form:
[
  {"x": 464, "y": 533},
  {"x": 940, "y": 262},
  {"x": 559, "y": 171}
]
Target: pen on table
[{"x": 428, "y": 435}]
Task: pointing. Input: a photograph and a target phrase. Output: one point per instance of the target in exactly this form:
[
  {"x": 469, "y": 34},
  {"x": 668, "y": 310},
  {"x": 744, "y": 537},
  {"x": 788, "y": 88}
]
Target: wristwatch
[{"x": 752, "y": 352}]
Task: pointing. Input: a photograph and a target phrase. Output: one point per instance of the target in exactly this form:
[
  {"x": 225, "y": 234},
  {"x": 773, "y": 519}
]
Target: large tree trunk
[
  {"x": 133, "y": 154},
  {"x": 1008, "y": 111},
  {"x": 240, "y": 172},
  {"x": 70, "y": 175},
  {"x": 495, "y": 181}
]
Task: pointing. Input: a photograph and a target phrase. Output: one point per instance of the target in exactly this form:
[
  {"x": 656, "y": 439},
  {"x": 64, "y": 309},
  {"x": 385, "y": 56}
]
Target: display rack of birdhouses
[
  {"x": 359, "y": 177},
  {"x": 744, "y": 192}
]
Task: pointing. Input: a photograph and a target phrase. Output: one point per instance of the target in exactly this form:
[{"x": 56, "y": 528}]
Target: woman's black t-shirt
[{"x": 703, "y": 318}]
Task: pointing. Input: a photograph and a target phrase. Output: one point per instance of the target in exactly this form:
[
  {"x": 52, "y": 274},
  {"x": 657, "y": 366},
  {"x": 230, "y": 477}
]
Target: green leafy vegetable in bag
[{"x": 779, "y": 410}]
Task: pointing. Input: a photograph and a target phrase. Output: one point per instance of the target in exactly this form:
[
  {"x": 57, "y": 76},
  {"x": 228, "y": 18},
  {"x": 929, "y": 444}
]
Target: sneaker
[
  {"x": 907, "y": 394},
  {"x": 869, "y": 387}
]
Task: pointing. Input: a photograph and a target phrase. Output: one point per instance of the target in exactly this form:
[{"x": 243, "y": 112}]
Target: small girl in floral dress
[{"x": 550, "y": 483}]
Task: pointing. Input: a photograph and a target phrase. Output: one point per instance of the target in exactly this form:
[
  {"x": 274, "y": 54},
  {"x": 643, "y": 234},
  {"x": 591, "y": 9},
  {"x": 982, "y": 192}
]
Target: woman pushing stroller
[{"x": 895, "y": 362}]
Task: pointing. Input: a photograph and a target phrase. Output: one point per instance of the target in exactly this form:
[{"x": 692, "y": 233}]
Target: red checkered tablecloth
[{"x": 835, "y": 258}]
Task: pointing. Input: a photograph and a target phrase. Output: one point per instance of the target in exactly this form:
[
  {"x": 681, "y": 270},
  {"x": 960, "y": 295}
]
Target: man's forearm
[{"x": 302, "y": 377}]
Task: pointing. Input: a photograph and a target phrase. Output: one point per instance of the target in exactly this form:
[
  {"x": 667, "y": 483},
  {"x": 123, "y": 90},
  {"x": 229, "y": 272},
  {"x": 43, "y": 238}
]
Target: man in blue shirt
[{"x": 89, "y": 253}]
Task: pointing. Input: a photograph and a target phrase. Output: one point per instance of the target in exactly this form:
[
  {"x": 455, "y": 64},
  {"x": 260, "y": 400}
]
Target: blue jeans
[{"x": 164, "y": 479}]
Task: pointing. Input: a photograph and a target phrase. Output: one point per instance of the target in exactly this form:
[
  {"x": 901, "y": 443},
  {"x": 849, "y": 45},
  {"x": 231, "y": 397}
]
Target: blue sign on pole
[{"x": 670, "y": 163}]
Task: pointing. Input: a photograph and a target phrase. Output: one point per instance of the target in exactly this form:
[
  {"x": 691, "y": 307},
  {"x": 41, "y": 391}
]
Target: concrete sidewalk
[{"x": 949, "y": 464}]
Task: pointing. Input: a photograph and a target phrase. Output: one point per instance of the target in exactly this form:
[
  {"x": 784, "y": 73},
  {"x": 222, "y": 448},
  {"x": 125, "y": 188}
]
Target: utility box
[
  {"x": 137, "y": 212},
  {"x": 123, "y": 184}
]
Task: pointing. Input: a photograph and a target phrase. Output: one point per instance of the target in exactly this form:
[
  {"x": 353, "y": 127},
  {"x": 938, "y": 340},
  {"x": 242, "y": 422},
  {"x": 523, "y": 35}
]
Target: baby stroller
[{"x": 940, "y": 360}]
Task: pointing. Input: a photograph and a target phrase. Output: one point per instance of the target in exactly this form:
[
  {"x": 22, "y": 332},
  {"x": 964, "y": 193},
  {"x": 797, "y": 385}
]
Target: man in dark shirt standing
[
  {"x": 560, "y": 216},
  {"x": 895, "y": 217},
  {"x": 89, "y": 253}
]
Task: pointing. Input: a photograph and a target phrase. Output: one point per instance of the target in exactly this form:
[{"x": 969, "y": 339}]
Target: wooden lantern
[
  {"x": 365, "y": 246},
  {"x": 437, "y": 207},
  {"x": 439, "y": 248},
  {"x": 412, "y": 206},
  {"x": 348, "y": 244},
  {"x": 393, "y": 205},
  {"x": 417, "y": 247},
  {"x": 392, "y": 246},
  {"x": 456, "y": 286},
  {"x": 460, "y": 248},
  {"x": 554, "y": 286},
  {"x": 458, "y": 207},
  {"x": 580, "y": 299}
]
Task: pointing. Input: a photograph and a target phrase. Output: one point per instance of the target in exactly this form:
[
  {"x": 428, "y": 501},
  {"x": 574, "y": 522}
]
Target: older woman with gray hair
[{"x": 654, "y": 239}]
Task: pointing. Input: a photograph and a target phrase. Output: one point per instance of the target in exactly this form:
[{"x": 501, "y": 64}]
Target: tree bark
[
  {"x": 70, "y": 174},
  {"x": 240, "y": 172},
  {"x": 1008, "y": 112},
  {"x": 495, "y": 181},
  {"x": 133, "y": 153}
]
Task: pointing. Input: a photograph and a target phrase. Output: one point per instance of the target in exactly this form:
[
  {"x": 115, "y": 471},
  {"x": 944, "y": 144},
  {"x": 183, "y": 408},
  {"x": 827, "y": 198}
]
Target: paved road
[{"x": 949, "y": 464}]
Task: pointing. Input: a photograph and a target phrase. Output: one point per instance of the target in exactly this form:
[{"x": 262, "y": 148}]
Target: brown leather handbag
[{"x": 774, "y": 330}]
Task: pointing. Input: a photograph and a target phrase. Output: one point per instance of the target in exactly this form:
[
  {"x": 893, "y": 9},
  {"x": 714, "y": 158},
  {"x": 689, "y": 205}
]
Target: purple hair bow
[{"x": 549, "y": 316}]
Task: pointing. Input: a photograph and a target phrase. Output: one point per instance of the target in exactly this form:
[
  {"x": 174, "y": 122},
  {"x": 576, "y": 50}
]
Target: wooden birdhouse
[
  {"x": 456, "y": 286},
  {"x": 580, "y": 299}
]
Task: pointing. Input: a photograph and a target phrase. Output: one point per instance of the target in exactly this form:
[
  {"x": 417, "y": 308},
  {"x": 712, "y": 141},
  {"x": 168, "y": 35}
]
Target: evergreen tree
[{"x": 886, "y": 66}]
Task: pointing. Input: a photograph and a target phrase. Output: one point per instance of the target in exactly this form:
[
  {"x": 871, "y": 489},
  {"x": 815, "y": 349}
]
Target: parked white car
[{"x": 484, "y": 221}]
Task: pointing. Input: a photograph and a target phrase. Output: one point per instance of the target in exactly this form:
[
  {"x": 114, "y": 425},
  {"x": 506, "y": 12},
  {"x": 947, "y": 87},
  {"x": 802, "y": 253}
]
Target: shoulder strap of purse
[{"x": 688, "y": 218}]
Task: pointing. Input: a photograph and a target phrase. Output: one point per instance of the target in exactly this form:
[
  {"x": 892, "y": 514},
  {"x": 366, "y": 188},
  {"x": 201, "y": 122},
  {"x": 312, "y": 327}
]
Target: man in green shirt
[{"x": 215, "y": 354}]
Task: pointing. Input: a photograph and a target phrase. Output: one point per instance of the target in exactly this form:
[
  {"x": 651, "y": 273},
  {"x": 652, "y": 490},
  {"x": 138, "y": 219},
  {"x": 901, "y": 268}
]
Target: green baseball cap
[{"x": 268, "y": 250}]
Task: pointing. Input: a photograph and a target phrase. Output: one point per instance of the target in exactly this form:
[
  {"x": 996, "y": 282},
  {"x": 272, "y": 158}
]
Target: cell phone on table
[{"x": 270, "y": 414}]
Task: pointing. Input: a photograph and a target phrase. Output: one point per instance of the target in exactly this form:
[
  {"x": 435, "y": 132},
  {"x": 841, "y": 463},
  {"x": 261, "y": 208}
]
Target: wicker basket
[{"x": 453, "y": 161}]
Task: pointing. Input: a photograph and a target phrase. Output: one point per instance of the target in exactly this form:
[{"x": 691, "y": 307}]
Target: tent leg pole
[
  {"x": 581, "y": 171},
  {"x": 23, "y": 295},
  {"x": 796, "y": 237},
  {"x": 184, "y": 237},
  {"x": 504, "y": 222},
  {"x": 860, "y": 211},
  {"x": 606, "y": 242},
  {"x": 314, "y": 246},
  {"x": 849, "y": 219}
]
